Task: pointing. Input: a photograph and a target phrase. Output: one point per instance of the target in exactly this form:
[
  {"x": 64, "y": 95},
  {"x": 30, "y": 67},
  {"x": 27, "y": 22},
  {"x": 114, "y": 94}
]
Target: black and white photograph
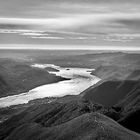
[{"x": 69, "y": 69}]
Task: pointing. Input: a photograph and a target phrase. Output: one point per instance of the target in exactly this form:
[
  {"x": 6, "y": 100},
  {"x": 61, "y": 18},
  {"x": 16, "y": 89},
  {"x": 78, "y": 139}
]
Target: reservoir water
[{"x": 80, "y": 80}]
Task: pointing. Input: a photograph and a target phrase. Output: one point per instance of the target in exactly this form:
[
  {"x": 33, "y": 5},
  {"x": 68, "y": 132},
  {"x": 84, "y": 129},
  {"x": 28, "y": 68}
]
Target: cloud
[
  {"x": 31, "y": 34},
  {"x": 46, "y": 37},
  {"x": 74, "y": 21},
  {"x": 50, "y": 8},
  {"x": 69, "y": 22}
]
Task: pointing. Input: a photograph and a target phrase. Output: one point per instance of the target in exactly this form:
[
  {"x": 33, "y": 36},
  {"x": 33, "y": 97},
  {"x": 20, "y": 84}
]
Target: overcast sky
[{"x": 70, "y": 23}]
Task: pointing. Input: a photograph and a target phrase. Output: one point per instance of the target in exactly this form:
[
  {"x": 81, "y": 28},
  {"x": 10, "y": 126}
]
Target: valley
[{"x": 104, "y": 109}]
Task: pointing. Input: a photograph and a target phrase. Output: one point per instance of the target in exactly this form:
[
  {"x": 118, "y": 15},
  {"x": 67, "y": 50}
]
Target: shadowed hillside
[
  {"x": 110, "y": 92},
  {"x": 122, "y": 99},
  {"x": 130, "y": 109}
]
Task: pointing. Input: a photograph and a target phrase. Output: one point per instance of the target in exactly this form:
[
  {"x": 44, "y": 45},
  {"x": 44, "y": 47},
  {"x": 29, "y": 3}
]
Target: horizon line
[{"x": 67, "y": 47}]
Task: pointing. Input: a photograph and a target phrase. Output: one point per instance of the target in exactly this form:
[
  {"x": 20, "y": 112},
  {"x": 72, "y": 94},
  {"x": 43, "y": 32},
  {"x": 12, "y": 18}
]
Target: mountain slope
[
  {"x": 122, "y": 98},
  {"x": 85, "y": 127},
  {"x": 109, "y": 93},
  {"x": 69, "y": 120},
  {"x": 130, "y": 109}
]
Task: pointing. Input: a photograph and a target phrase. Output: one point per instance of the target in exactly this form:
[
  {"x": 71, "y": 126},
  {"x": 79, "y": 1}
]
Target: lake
[{"x": 80, "y": 80}]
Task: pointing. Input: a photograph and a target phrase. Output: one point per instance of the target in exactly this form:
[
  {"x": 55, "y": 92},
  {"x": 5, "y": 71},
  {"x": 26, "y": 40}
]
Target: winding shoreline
[{"x": 80, "y": 80}]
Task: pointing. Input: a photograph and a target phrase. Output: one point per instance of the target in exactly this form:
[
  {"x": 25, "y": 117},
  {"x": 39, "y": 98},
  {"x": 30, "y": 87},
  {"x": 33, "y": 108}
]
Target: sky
[{"x": 94, "y": 24}]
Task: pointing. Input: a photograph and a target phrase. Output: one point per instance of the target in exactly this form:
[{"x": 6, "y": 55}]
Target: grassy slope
[
  {"x": 85, "y": 127},
  {"x": 63, "y": 121}
]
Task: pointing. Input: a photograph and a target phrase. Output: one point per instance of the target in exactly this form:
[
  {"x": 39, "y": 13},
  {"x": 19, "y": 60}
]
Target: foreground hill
[
  {"x": 71, "y": 120},
  {"x": 85, "y": 127},
  {"x": 122, "y": 98}
]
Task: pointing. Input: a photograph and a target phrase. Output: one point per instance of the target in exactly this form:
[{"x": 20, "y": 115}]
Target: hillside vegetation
[{"x": 66, "y": 121}]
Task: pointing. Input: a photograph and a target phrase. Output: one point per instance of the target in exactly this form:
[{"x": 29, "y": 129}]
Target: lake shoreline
[{"x": 78, "y": 80}]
